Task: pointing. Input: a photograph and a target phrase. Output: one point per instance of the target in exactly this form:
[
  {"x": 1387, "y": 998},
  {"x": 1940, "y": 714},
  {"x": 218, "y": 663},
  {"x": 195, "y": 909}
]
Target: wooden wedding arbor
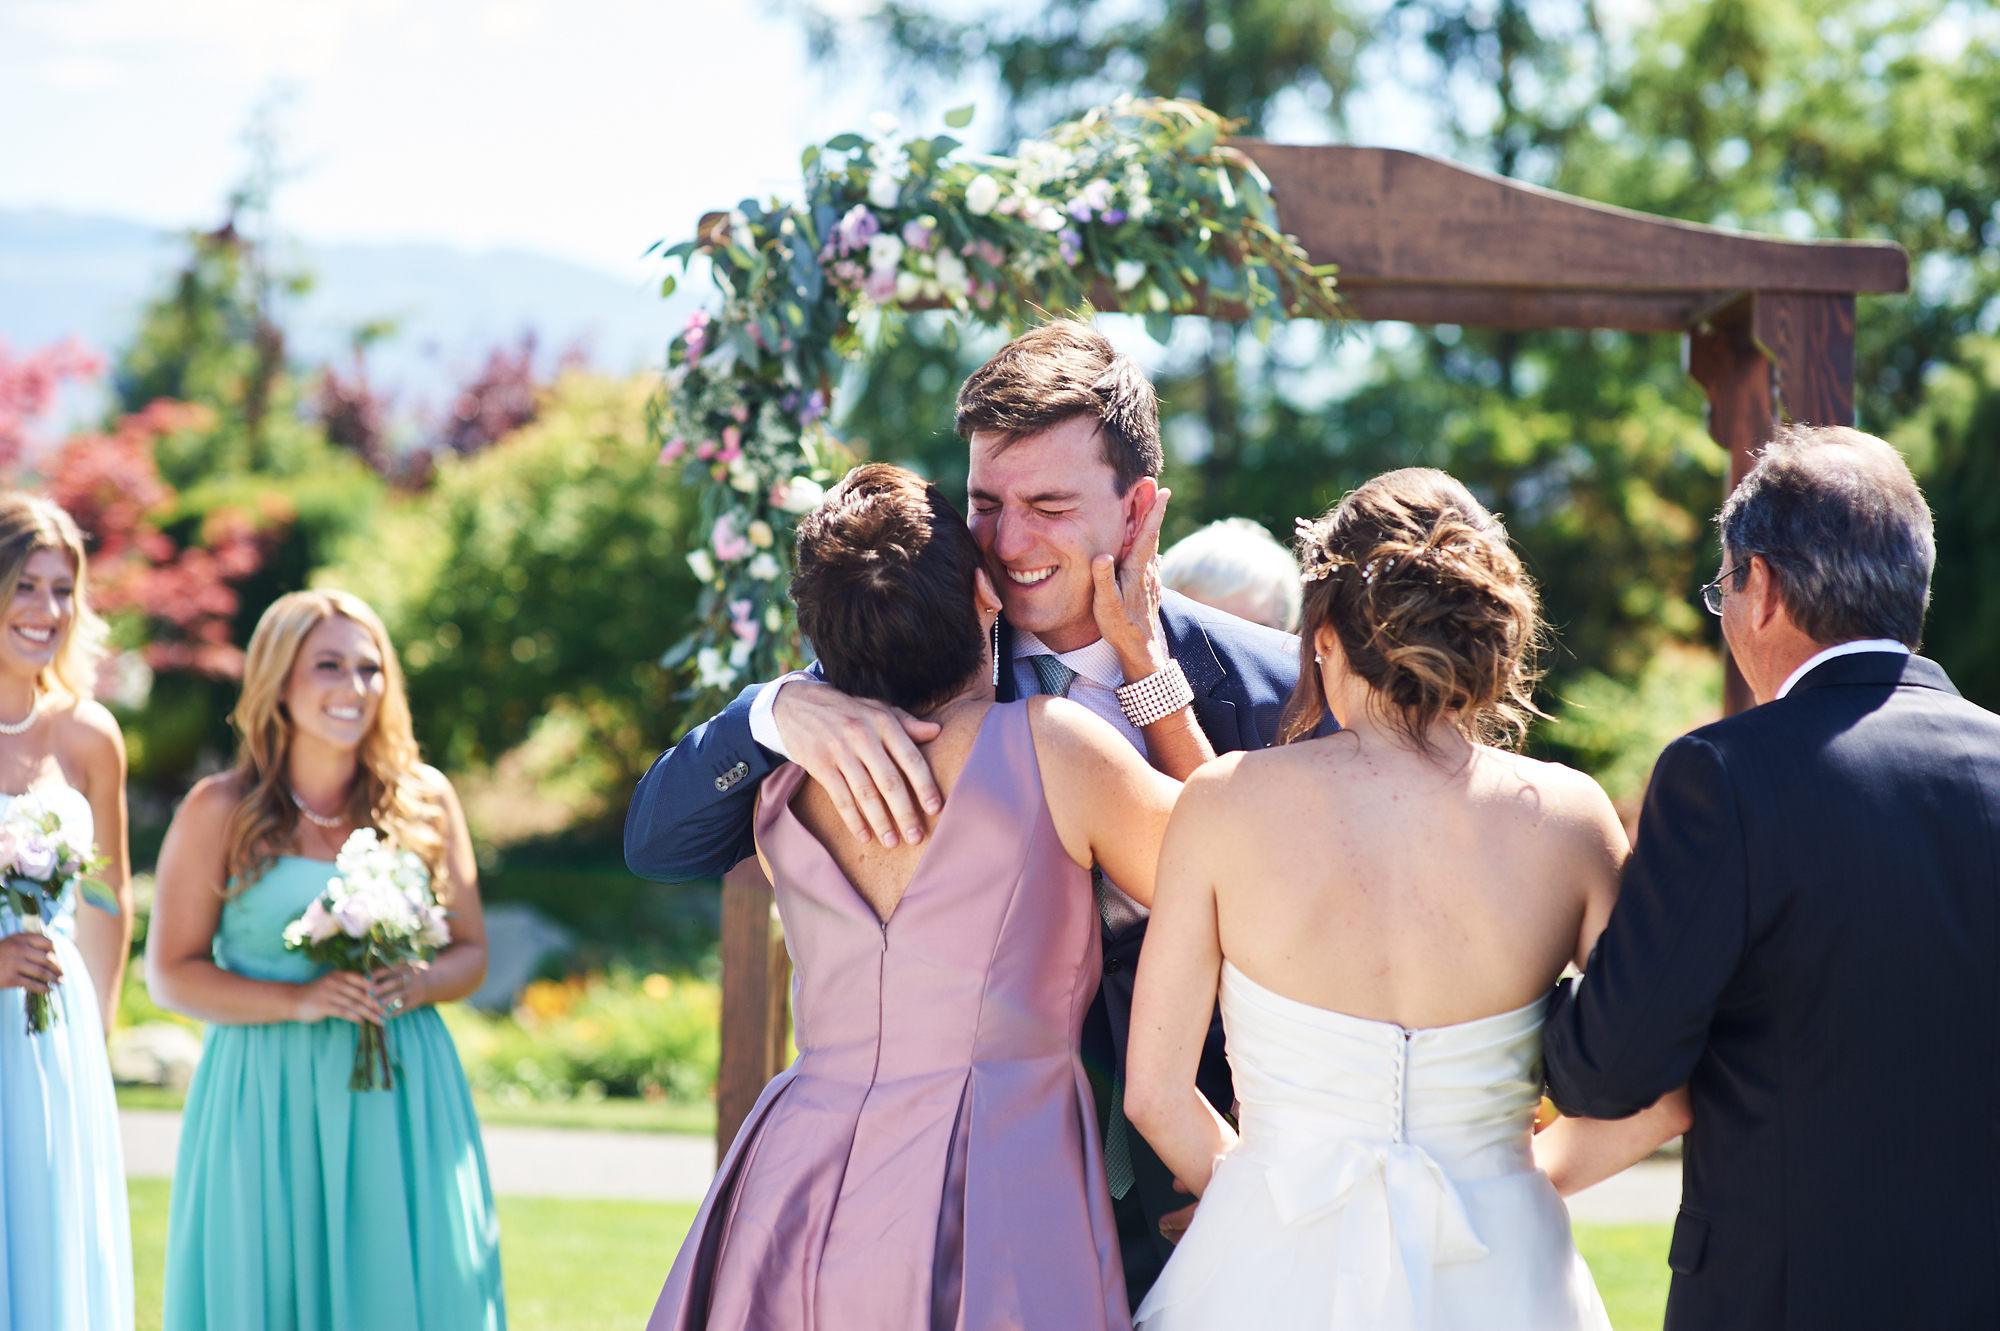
[{"x": 1770, "y": 336}]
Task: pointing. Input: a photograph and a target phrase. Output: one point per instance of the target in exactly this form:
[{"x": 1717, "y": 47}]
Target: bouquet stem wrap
[{"x": 42, "y": 1013}]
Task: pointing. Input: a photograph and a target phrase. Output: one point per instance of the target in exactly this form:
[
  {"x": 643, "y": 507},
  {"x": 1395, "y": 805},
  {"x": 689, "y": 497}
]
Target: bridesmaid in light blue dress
[
  {"x": 299, "y": 1204},
  {"x": 65, "y": 1242}
]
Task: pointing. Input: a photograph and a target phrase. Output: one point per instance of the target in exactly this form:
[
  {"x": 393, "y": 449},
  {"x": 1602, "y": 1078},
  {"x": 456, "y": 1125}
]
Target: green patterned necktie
[{"x": 1055, "y": 678}]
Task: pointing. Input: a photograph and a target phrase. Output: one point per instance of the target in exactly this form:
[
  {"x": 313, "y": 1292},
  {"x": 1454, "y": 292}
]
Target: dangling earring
[{"x": 996, "y": 651}]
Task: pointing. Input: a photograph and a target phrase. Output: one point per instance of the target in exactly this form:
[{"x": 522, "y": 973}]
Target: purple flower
[
  {"x": 855, "y": 230},
  {"x": 1114, "y": 216},
  {"x": 36, "y": 857},
  {"x": 919, "y": 231},
  {"x": 814, "y": 409},
  {"x": 1070, "y": 243}
]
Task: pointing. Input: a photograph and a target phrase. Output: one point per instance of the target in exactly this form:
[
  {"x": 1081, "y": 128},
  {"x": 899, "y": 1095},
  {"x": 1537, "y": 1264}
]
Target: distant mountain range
[{"x": 62, "y": 274}]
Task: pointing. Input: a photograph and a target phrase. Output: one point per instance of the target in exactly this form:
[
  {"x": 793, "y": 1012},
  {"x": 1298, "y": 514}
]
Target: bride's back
[{"x": 1400, "y": 870}]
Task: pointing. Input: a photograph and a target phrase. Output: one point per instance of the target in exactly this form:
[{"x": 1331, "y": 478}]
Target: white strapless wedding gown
[{"x": 1383, "y": 1182}]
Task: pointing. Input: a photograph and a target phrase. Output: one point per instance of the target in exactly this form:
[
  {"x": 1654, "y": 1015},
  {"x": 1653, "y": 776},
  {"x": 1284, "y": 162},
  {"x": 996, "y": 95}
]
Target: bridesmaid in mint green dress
[{"x": 298, "y": 1204}]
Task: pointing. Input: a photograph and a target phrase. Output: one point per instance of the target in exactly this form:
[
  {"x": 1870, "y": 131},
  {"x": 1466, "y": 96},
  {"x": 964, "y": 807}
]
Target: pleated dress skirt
[{"x": 299, "y": 1205}]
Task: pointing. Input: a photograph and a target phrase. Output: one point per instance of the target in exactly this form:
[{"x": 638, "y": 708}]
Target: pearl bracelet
[{"x": 1156, "y": 697}]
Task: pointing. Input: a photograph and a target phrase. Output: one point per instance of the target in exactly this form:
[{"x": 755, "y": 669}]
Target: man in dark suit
[
  {"x": 1808, "y": 933},
  {"x": 1066, "y": 505}
]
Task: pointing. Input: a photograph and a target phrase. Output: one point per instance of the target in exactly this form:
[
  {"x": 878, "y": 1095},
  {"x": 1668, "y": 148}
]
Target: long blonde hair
[
  {"x": 31, "y": 523},
  {"x": 389, "y": 794}
]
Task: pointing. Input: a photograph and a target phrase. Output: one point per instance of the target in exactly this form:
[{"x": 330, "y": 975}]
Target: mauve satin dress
[{"x": 931, "y": 1159}]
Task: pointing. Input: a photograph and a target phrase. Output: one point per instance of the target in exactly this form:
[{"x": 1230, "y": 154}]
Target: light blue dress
[
  {"x": 66, "y": 1254},
  {"x": 299, "y": 1205}
]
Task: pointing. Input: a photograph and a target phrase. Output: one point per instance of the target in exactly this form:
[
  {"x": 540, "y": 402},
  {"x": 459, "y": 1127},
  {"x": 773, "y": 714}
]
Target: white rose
[
  {"x": 883, "y": 191},
  {"x": 703, "y": 566},
  {"x": 981, "y": 194},
  {"x": 802, "y": 494},
  {"x": 951, "y": 273},
  {"x": 1128, "y": 274},
  {"x": 908, "y": 287},
  {"x": 885, "y": 252},
  {"x": 739, "y": 655},
  {"x": 764, "y": 567}
]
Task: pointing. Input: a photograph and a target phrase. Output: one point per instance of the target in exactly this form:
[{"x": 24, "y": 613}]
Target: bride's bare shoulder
[{"x": 1572, "y": 801}]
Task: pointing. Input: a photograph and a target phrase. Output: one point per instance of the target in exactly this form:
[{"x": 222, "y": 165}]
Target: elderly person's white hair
[{"x": 1236, "y": 566}]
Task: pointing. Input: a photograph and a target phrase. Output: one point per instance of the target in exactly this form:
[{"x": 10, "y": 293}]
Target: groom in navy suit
[
  {"x": 1808, "y": 934},
  {"x": 1065, "y": 498}
]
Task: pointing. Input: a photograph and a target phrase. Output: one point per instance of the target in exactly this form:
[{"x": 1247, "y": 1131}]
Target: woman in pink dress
[{"x": 931, "y": 1159}]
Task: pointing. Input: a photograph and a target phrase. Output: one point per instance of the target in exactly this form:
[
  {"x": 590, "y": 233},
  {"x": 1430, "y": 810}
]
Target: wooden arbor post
[{"x": 1770, "y": 327}]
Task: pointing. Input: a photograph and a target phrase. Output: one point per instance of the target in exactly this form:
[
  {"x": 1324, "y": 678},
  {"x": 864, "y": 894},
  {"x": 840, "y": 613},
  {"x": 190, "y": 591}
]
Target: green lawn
[
  {"x": 569, "y": 1265},
  {"x": 1630, "y": 1264},
  {"x": 587, "y": 1265}
]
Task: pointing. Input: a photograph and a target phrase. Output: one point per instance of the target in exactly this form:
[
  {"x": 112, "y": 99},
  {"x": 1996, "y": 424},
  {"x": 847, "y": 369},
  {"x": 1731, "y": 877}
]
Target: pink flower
[
  {"x": 879, "y": 286},
  {"x": 696, "y": 335},
  {"x": 10, "y": 845},
  {"x": 320, "y": 922},
  {"x": 741, "y": 623},
  {"x": 729, "y": 544},
  {"x": 732, "y": 444},
  {"x": 673, "y": 450},
  {"x": 705, "y": 449}
]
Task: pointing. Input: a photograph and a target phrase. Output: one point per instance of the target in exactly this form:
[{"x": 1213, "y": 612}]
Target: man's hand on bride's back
[{"x": 864, "y": 754}]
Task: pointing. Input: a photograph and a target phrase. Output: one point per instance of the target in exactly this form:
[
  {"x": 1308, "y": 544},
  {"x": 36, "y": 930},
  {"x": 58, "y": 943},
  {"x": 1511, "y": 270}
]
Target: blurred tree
[
  {"x": 1799, "y": 117},
  {"x": 538, "y": 578},
  {"x": 1237, "y": 58}
]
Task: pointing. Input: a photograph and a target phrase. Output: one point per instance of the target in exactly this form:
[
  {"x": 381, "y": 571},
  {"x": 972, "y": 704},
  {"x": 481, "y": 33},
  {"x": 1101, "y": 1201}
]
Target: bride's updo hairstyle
[
  {"x": 884, "y": 587},
  {"x": 1430, "y": 604}
]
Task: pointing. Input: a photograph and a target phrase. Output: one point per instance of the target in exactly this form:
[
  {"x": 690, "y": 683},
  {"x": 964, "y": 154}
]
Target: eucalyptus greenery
[{"x": 1141, "y": 204}]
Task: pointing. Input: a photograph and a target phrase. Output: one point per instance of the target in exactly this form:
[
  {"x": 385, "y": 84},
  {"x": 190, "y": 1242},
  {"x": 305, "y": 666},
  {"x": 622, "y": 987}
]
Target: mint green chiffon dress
[{"x": 299, "y": 1205}]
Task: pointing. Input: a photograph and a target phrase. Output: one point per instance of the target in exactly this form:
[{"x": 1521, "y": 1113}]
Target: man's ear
[
  {"x": 1138, "y": 502},
  {"x": 1760, "y": 590}
]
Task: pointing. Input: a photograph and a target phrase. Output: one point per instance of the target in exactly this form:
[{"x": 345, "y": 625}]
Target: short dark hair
[
  {"x": 1845, "y": 530},
  {"x": 885, "y": 591},
  {"x": 1057, "y": 372}
]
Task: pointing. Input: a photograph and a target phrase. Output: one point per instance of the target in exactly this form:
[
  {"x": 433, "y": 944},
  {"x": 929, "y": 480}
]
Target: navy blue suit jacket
[
  {"x": 1809, "y": 936},
  {"x": 691, "y": 814}
]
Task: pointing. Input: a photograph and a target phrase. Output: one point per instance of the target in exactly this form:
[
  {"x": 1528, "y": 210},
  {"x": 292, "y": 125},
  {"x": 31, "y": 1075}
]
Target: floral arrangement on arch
[{"x": 1141, "y": 205}]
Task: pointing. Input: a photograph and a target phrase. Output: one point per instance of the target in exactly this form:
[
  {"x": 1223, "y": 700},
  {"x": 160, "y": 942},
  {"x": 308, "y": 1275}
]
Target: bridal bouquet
[
  {"x": 39, "y": 860},
  {"x": 377, "y": 911}
]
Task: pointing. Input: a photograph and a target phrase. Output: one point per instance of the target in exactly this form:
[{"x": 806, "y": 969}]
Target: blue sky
[{"x": 584, "y": 129}]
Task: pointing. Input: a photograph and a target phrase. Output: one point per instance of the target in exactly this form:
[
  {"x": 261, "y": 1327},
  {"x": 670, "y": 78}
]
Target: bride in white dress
[{"x": 1384, "y": 912}]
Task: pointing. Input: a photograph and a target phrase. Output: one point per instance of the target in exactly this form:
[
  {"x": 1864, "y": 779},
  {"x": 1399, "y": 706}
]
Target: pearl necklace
[
  {"x": 317, "y": 820},
  {"x": 20, "y": 727}
]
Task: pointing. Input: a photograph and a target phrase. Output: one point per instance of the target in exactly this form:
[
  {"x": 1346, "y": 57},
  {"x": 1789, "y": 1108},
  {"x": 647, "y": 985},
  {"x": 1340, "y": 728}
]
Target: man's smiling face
[{"x": 1042, "y": 508}]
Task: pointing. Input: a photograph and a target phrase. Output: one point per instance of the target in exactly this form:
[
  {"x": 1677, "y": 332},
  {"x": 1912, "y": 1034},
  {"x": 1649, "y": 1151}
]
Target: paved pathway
[
  {"x": 522, "y": 1162},
  {"x": 649, "y": 1166}
]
